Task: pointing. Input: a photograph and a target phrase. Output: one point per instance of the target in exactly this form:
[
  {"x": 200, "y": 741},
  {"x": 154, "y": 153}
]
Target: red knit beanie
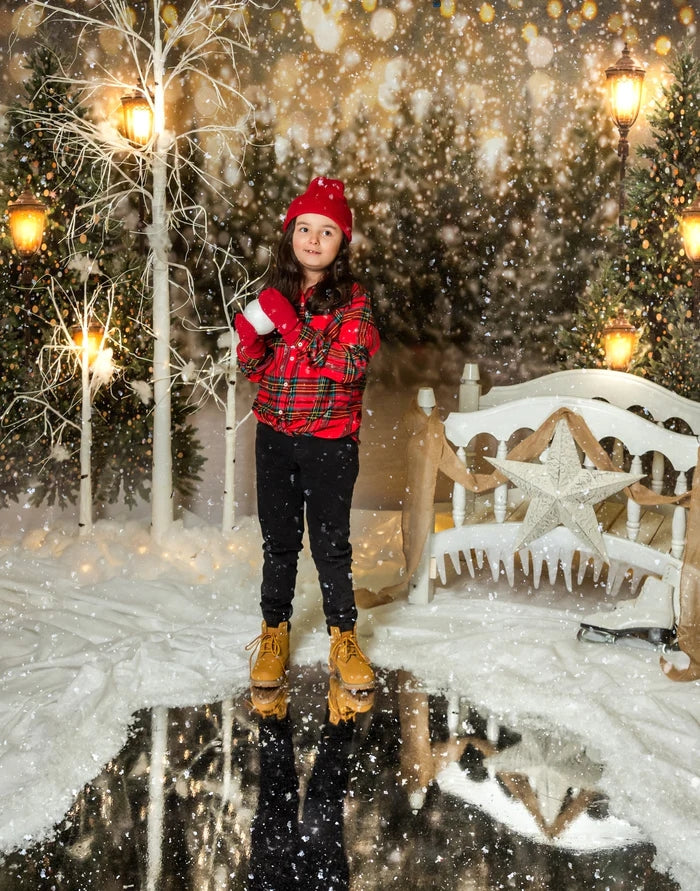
[{"x": 327, "y": 197}]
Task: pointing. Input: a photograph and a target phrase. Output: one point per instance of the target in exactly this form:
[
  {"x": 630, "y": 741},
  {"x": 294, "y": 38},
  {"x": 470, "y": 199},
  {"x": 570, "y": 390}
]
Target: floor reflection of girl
[{"x": 307, "y": 852}]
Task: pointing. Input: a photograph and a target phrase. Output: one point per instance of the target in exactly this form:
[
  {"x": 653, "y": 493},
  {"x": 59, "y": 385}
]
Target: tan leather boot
[
  {"x": 272, "y": 645},
  {"x": 348, "y": 662}
]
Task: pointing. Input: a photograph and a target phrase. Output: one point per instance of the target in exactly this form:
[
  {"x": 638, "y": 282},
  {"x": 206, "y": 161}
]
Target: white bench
[{"x": 639, "y": 541}]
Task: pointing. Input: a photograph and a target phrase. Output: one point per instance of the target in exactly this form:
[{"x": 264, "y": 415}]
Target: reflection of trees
[{"x": 210, "y": 793}]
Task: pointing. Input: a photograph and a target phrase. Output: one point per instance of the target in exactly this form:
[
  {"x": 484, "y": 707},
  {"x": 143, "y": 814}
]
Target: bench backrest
[{"x": 616, "y": 387}]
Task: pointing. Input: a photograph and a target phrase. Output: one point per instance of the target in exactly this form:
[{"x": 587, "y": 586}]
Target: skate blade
[{"x": 662, "y": 639}]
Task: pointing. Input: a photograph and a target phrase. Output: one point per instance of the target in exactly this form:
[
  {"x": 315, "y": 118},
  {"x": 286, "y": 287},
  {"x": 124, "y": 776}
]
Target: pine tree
[
  {"x": 650, "y": 275},
  {"x": 41, "y": 458},
  {"x": 676, "y": 362},
  {"x": 580, "y": 341},
  {"x": 658, "y": 272}
]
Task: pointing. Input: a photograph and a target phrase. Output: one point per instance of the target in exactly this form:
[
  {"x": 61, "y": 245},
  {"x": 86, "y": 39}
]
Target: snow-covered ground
[{"x": 94, "y": 628}]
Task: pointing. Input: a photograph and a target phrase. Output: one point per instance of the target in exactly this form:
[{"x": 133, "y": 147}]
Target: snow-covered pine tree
[
  {"x": 659, "y": 274},
  {"x": 41, "y": 459},
  {"x": 650, "y": 275},
  {"x": 579, "y": 341}
]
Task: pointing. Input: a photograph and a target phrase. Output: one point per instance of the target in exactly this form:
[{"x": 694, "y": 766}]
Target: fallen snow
[{"x": 97, "y": 627}]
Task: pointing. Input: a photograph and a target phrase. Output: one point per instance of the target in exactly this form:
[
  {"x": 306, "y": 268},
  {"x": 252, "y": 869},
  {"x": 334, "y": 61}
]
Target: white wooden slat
[{"x": 617, "y": 387}]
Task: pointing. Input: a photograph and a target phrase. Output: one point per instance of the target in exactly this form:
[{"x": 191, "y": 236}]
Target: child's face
[{"x": 316, "y": 242}]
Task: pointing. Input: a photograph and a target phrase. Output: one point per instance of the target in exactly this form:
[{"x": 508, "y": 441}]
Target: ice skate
[{"x": 648, "y": 620}]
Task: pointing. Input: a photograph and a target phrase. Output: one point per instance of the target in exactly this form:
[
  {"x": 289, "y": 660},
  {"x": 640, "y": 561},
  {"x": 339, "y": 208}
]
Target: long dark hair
[{"x": 287, "y": 276}]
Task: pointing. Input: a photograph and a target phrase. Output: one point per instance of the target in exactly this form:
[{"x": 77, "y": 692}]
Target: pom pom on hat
[{"x": 327, "y": 197}]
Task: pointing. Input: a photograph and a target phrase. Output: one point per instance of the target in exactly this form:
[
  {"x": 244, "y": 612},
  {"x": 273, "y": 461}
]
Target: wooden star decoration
[{"x": 562, "y": 492}]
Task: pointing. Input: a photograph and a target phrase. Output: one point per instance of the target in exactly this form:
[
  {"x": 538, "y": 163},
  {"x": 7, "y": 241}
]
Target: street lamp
[
  {"x": 27, "y": 220},
  {"x": 619, "y": 341},
  {"x": 137, "y": 118},
  {"x": 625, "y": 79},
  {"x": 690, "y": 231}
]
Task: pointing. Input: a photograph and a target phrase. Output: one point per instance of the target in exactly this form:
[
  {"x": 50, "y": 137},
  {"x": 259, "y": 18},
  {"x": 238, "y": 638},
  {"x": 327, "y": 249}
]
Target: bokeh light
[
  {"x": 530, "y": 32},
  {"x": 487, "y": 13},
  {"x": 589, "y": 10},
  {"x": 383, "y": 24},
  {"x": 663, "y": 45},
  {"x": 686, "y": 15},
  {"x": 554, "y": 9},
  {"x": 574, "y": 20},
  {"x": 540, "y": 52}
]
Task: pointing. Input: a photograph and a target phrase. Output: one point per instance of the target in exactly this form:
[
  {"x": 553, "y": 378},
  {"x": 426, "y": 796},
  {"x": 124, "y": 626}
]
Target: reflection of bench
[{"x": 639, "y": 540}]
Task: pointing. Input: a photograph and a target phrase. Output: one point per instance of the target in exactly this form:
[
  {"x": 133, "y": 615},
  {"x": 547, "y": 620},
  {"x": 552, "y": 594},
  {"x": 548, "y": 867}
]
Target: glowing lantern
[
  {"x": 137, "y": 118},
  {"x": 690, "y": 230},
  {"x": 619, "y": 342},
  {"x": 95, "y": 336},
  {"x": 625, "y": 79},
  {"x": 27, "y": 219}
]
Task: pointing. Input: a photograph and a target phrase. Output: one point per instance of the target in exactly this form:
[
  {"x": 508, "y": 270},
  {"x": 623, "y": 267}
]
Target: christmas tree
[
  {"x": 40, "y": 441},
  {"x": 650, "y": 275}
]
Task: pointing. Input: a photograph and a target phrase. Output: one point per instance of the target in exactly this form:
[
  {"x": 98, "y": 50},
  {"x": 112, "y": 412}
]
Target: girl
[{"x": 311, "y": 370}]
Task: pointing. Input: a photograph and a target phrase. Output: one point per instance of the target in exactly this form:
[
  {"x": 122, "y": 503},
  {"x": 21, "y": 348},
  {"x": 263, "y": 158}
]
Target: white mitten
[{"x": 257, "y": 318}]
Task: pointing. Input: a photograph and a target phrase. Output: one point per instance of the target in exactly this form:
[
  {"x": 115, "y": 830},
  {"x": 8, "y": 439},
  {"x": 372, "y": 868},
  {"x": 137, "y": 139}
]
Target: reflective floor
[{"x": 421, "y": 791}]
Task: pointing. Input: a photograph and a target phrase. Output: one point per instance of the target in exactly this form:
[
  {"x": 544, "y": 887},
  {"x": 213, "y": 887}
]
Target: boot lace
[
  {"x": 266, "y": 642},
  {"x": 346, "y": 647}
]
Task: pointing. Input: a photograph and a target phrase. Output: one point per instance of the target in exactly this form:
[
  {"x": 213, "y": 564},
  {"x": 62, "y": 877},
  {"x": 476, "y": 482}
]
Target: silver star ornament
[{"x": 562, "y": 492}]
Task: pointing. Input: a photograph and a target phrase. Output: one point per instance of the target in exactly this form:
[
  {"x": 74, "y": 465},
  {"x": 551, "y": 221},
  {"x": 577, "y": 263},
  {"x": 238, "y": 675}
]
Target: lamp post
[
  {"x": 27, "y": 220},
  {"x": 624, "y": 79},
  {"x": 619, "y": 340},
  {"x": 690, "y": 231}
]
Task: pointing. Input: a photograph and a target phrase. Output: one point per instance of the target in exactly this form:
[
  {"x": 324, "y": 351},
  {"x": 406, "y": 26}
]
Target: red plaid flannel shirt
[{"x": 315, "y": 386}]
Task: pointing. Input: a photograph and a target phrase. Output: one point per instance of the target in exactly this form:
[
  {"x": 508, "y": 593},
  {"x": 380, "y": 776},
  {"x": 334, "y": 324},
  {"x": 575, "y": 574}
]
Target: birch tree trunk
[
  {"x": 229, "y": 513},
  {"x": 162, "y": 481},
  {"x": 85, "y": 497}
]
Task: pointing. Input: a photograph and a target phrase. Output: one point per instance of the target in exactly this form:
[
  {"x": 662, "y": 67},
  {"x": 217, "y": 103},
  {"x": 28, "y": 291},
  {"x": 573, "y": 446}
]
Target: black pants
[{"x": 294, "y": 474}]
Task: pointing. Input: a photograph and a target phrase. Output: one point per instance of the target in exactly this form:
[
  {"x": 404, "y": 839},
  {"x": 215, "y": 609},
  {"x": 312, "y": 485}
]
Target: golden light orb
[
  {"x": 663, "y": 45},
  {"x": 574, "y": 20},
  {"x": 554, "y": 9},
  {"x": 616, "y": 23},
  {"x": 448, "y": 8},
  {"x": 168, "y": 13},
  {"x": 589, "y": 10},
  {"x": 686, "y": 15},
  {"x": 277, "y": 21},
  {"x": 530, "y": 31},
  {"x": 487, "y": 13}
]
